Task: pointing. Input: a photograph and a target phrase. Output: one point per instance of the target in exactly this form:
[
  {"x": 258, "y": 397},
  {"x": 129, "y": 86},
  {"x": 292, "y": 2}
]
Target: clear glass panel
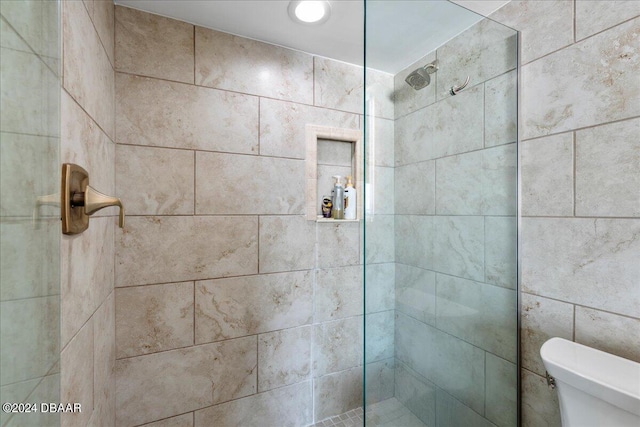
[
  {"x": 441, "y": 217},
  {"x": 29, "y": 222}
]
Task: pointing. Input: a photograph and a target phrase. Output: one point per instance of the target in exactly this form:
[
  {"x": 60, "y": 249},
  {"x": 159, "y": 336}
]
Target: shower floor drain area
[{"x": 388, "y": 413}]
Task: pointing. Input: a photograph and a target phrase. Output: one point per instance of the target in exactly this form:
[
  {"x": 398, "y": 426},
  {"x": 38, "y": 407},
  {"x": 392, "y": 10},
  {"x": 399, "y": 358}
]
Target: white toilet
[{"x": 594, "y": 388}]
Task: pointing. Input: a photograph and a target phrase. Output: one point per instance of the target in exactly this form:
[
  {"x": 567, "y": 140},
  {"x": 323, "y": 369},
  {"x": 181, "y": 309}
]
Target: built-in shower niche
[{"x": 331, "y": 151}]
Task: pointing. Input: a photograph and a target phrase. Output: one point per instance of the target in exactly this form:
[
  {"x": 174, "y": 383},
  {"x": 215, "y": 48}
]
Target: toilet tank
[{"x": 594, "y": 388}]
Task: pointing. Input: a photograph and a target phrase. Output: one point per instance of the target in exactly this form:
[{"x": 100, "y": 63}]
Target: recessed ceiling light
[{"x": 309, "y": 12}]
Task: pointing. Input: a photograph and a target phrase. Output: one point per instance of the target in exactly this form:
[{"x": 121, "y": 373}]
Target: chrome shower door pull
[{"x": 80, "y": 200}]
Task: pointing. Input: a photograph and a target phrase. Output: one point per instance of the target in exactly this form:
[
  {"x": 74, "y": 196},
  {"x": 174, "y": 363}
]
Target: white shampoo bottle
[{"x": 350, "y": 200}]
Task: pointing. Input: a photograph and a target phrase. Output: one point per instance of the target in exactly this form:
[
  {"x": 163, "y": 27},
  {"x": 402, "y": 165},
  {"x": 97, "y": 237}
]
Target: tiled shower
[{"x": 221, "y": 304}]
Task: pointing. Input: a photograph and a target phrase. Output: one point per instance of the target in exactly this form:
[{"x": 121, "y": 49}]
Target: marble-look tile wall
[
  {"x": 29, "y": 247},
  {"x": 580, "y": 156},
  {"x": 230, "y": 307},
  {"x": 455, "y": 234},
  {"x": 87, "y": 138}
]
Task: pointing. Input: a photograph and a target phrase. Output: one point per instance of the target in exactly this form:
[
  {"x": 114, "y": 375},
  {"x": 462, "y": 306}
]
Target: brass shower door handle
[{"x": 80, "y": 200}]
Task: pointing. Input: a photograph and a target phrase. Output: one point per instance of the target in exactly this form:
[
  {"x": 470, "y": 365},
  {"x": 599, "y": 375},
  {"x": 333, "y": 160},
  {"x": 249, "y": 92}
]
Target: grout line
[
  {"x": 582, "y": 128},
  {"x": 573, "y": 337},
  {"x": 574, "y": 160},
  {"x": 194, "y": 313},
  {"x": 258, "y": 246},
  {"x": 195, "y": 181},
  {"x": 255, "y": 95},
  {"x": 194, "y": 55},
  {"x": 574, "y": 21}
]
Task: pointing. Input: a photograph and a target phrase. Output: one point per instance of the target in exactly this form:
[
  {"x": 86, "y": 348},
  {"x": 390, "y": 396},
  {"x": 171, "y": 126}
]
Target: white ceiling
[{"x": 398, "y": 31}]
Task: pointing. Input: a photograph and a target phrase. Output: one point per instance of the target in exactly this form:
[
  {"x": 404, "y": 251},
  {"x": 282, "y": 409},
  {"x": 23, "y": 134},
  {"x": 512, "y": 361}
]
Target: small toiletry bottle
[
  {"x": 337, "y": 211},
  {"x": 327, "y": 204},
  {"x": 350, "y": 200}
]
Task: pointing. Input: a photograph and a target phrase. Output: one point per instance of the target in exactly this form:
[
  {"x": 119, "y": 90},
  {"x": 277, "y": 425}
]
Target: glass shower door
[
  {"x": 453, "y": 227},
  {"x": 29, "y": 221}
]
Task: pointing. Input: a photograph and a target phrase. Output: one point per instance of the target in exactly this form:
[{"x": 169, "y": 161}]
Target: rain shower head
[{"x": 420, "y": 78}]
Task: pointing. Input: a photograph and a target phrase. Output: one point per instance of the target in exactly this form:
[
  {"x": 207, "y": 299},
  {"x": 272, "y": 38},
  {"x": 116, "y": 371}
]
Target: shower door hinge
[{"x": 551, "y": 382}]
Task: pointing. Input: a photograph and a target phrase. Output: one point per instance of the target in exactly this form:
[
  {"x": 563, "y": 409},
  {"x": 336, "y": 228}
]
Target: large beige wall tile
[
  {"x": 415, "y": 393},
  {"x": 451, "y": 363},
  {"x": 104, "y": 363},
  {"x": 459, "y": 186},
  {"x": 452, "y": 412},
  {"x": 414, "y": 239},
  {"x": 30, "y": 94},
  {"x": 76, "y": 379},
  {"x": 477, "y": 183},
  {"x": 542, "y": 319},
  {"x": 411, "y": 136},
  {"x": 287, "y": 243},
  {"x": 339, "y": 293},
  {"x": 103, "y": 17},
  {"x": 29, "y": 258},
  {"x": 337, "y": 393},
  {"x": 37, "y": 24},
  {"x": 36, "y": 390},
  {"x": 379, "y": 340},
  {"x": 415, "y": 293},
  {"x": 561, "y": 91},
  {"x": 380, "y": 287},
  {"x": 154, "y": 318},
  {"x": 595, "y": 16},
  {"x": 337, "y": 345},
  {"x": 338, "y": 85},
  {"x": 85, "y": 144},
  {"x": 185, "y": 248},
  {"x": 547, "y": 176},
  {"x": 88, "y": 74},
  {"x": 591, "y": 262},
  {"x": 501, "y": 405},
  {"x": 380, "y": 380},
  {"x": 239, "y": 306},
  {"x": 154, "y": 46},
  {"x": 155, "y": 181},
  {"x": 545, "y": 26},
  {"x": 185, "y": 420},
  {"x": 458, "y": 246},
  {"x": 415, "y": 189},
  {"x": 207, "y": 119},
  {"x": 286, "y": 406},
  {"x": 30, "y": 347},
  {"x": 418, "y": 355},
  {"x": 379, "y": 94},
  {"x": 338, "y": 244},
  {"x": 282, "y": 126},
  {"x": 501, "y": 251},
  {"x": 481, "y": 314},
  {"x": 482, "y": 52},
  {"x": 9, "y": 38},
  {"x": 608, "y": 174},
  {"x": 608, "y": 332},
  {"x": 161, "y": 385},
  {"x": 379, "y": 235},
  {"x": 284, "y": 357},
  {"x": 379, "y": 140},
  {"x": 225, "y": 61},
  {"x": 540, "y": 405},
  {"x": 430, "y": 133},
  {"x": 87, "y": 274},
  {"x": 237, "y": 184},
  {"x": 501, "y": 109}
]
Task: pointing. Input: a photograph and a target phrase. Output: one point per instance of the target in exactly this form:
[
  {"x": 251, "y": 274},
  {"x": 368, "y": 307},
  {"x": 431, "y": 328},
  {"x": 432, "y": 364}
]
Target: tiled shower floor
[{"x": 388, "y": 413}]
